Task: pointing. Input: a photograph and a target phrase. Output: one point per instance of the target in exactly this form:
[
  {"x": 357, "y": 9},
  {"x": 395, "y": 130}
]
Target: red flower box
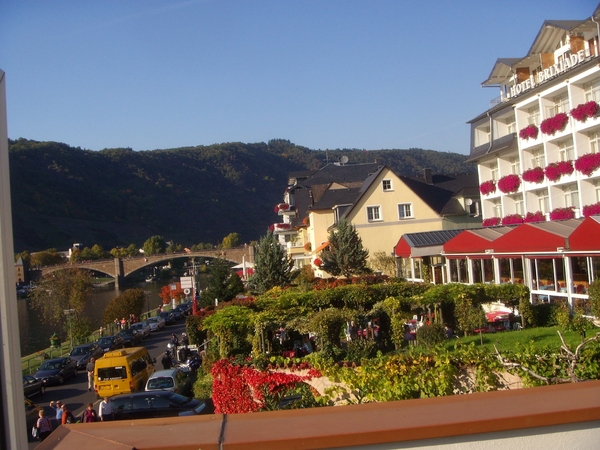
[
  {"x": 591, "y": 210},
  {"x": 512, "y": 219},
  {"x": 585, "y": 111},
  {"x": 317, "y": 262},
  {"x": 487, "y": 187},
  {"x": 509, "y": 183},
  {"x": 556, "y": 170},
  {"x": 535, "y": 175},
  {"x": 530, "y": 131},
  {"x": 554, "y": 124},
  {"x": 491, "y": 222},
  {"x": 537, "y": 216},
  {"x": 562, "y": 213},
  {"x": 588, "y": 163}
]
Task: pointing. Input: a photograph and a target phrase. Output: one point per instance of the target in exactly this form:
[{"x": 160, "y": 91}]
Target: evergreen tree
[
  {"x": 272, "y": 266},
  {"x": 223, "y": 284},
  {"x": 345, "y": 254},
  {"x": 154, "y": 245}
]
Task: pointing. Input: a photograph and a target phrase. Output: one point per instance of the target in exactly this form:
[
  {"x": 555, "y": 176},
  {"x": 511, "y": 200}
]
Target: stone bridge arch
[{"x": 120, "y": 268}]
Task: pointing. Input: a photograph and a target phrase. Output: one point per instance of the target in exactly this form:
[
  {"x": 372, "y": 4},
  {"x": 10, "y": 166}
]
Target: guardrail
[{"x": 31, "y": 363}]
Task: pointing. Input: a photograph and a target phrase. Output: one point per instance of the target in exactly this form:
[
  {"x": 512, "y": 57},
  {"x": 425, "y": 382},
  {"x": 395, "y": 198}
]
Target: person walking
[
  {"x": 105, "y": 410},
  {"x": 166, "y": 361},
  {"x": 90, "y": 373},
  {"x": 43, "y": 425},
  {"x": 89, "y": 415},
  {"x": 58, "y": 408},
  {"x": 67, "y": 416}
]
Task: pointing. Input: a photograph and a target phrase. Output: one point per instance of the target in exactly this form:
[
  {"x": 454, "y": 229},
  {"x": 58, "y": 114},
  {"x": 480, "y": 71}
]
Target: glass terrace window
[
  {"x": 594, "y": 141},
  {"x": 405, "y": 210},
  {"x": 561, "y": 105},
  {"x": 543, "y": 201},
  {"x": 519, "y": 204},
  {"x": 571, "y": 195},
  {"x": 537, "y": 158},
  {"x": 566, "y": 150},
  {"x": 515, "y": 166},
  {"x": 497, "y": 208},
  {"x": 592, "y": 90},
  {"x": 534, "y": 115},
  {"x": 373, "y": 213},
  {"x": 494, "y": 172},
  {"x": 387, "y": 185}
]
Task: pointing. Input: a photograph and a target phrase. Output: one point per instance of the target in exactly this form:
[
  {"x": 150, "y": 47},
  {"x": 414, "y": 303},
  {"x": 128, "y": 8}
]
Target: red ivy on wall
[{"x": 243, "y": 389}]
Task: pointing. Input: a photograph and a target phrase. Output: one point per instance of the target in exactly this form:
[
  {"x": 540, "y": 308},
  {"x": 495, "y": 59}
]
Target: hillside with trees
[{"x": 115, "y": 197}]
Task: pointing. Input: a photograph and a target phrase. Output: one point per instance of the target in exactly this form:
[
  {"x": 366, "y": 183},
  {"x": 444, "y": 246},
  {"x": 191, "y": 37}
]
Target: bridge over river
[{"x": 120, "y": 268}]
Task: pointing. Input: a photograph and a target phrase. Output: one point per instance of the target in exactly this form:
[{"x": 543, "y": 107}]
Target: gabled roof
[
  {"x": 501, "y": 71},
  {"x": 475, "y": 240},
  {"x": 536, "y": 237},
  {"x": 427, "y": 243},
  {"x": 587, "y": 235},
  {"x": 550, "y": 35}
]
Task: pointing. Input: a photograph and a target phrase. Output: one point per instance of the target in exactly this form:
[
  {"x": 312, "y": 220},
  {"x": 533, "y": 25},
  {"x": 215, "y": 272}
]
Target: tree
[
  {"x": 131, "y": 301},
  {"x": 223, "y": 284},
  {"x": 272, "y": 266},
  {"x": 167, "y": 294},
  {"x": 384, "y": 263},
  {"x": 154, "y": 245},
  {"x": 231, "y": 240},
  {"x": 63, "y": 290},
  {"x": 48, "y": 257},
  {"x": 345, "y": 254}
]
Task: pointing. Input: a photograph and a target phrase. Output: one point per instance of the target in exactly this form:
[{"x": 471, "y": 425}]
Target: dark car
[
  {"x": 145, "y": 405},
  {"x": 56, "y": 371},
  {"x": 177, "y": 313},
  {"x": 168, "y": 317},
  {"x": 32, "y": 386},
  {"x": 186, "y": 308},
  {"x": 108, "y": 343},
  {"x": 131, "y": 338},
  {"x": 82, "y": 354}
]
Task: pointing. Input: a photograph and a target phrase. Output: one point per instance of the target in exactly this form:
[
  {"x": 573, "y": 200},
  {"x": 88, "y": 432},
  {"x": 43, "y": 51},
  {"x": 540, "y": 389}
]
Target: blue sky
[{"x": 151, "y": 74}]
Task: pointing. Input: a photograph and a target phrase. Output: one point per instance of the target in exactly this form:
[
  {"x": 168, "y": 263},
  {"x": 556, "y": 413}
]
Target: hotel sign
[{"x": 546, "y": 74}]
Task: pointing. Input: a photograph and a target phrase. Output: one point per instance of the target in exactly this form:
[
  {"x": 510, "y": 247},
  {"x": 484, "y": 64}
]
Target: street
[{"x": 74, "y": 392}]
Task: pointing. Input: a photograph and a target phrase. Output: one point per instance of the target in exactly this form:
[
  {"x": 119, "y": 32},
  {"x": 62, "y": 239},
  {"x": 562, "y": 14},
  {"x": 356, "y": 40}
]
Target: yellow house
[{"x": 381, "y": 205}]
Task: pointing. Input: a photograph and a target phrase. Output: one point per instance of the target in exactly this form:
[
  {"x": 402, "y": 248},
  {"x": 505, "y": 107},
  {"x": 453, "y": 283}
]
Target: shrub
[
  {"x": 360, "y": 349},
  {"x": 431, "y": 335}
]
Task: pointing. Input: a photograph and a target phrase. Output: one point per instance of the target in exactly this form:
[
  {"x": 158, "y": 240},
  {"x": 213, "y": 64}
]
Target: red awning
[
  {"x": 542, "y": 237},
  {"x": 402, "y": 248},
  {"x": 587, "y": 235},
  {"x": 475, "y": 241}
]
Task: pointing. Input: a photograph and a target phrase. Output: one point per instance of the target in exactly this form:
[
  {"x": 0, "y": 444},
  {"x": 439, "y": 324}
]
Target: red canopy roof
[
  {"x": 475, "y": 241},
  {"x": 536, "y": 237},
  {"x": 587, "y": 235}
]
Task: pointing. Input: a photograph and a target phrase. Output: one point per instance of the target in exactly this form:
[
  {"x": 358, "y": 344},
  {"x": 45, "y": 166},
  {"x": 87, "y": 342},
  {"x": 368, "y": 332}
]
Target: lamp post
[
  {"x": 147, "y": 294},
  {"x": 69, "y": 314}
]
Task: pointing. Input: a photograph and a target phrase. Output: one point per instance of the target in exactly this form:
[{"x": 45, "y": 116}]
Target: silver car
[
  {"x": 141, "y": 327},
  {"x": 156, "y": 323}
]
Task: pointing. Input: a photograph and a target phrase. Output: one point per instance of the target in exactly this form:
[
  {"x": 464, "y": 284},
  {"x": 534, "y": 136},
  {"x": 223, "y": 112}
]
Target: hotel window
[
  {"x": 537, "y": 158},
  {"x": 592, "y": 90},
  {"x": 597, "y": 190},
  {"x": 511, "y": 125},
  {"x": 494, "y": 171},
  {"x": 594, "y": 141},
  {"x": 534, "y": 115},
  {"x": 519, "y": 204},
  {"x": 571, "y": 195},
  {"x": 387, "y": 185},
  {"x": 566, "y": 150},
  {"x": 515, "y": 166},
  {"x": 561, "y": 105},
  {"x": 373, "y": 213},
  {"x": 405, "y": 210},
  {"x": 543, "y": 201}
]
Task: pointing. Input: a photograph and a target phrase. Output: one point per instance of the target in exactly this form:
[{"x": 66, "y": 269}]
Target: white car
[
  {"x": 141, "y": 327},
  {"x": 156, "y": 323}
]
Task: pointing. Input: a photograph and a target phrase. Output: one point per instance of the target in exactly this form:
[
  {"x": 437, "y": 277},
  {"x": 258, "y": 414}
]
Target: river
[{"x": 35, "y": 334}]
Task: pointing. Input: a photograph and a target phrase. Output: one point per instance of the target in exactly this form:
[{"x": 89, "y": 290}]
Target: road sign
[
  {"x": 186, "y": 282},
  {"x": 186, "y": 291}
]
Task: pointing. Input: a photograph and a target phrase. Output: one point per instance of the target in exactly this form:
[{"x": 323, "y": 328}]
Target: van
[
  {"x": 174, "y": 380},
  {"x": 122, "y": 371}
]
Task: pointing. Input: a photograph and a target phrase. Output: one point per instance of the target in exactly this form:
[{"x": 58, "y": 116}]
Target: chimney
[{"x": 427, "y": 176}]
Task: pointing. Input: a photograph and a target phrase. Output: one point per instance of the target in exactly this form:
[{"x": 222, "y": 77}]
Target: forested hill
[{"x": 62, "y": 195}]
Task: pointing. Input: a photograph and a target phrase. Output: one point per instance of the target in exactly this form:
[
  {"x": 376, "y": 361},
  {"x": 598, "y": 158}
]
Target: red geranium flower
[
  {"x": 509, "y": 183},
  {"x": 535, "y": 175},
  {"x": 487, "y": 187},
  {"x": 585, "y": 111},
  {"x": 554, "y": 124}
]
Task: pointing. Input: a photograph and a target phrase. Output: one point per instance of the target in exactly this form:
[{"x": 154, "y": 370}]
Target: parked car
[
  {"x": 145, "y": 405},
  {"x": 141, "y": 327},
  {"x": 82, "y": 354},
  {"x": 131, "y": 338},
  {"x": 108, "y": 343},
  {"x": 32, "y": 386},
  {"x": 56, "y": 371},
  {"x": 177, "y": 313},
  {"x": 186, "y": 308},
  {"x": 174, "y": 380},
  {"x": 156, "y": 323},
  {"x": 168, "y": 317}
]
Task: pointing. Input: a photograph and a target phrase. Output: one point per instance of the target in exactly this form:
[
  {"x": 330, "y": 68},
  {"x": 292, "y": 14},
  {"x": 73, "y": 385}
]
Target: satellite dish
[
  {"x": 344, "y": 159},
  {"x": 468, "y": 202}
]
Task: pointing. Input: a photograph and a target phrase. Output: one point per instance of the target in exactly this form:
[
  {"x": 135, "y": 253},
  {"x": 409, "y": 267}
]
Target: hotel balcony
[{"x": 283, "y": 229}]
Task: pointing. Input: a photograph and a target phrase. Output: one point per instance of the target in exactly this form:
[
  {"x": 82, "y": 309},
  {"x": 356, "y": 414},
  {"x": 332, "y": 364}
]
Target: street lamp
[
  {"x": 147, "y": 294},
  {"x": 69, "y": 314}
]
